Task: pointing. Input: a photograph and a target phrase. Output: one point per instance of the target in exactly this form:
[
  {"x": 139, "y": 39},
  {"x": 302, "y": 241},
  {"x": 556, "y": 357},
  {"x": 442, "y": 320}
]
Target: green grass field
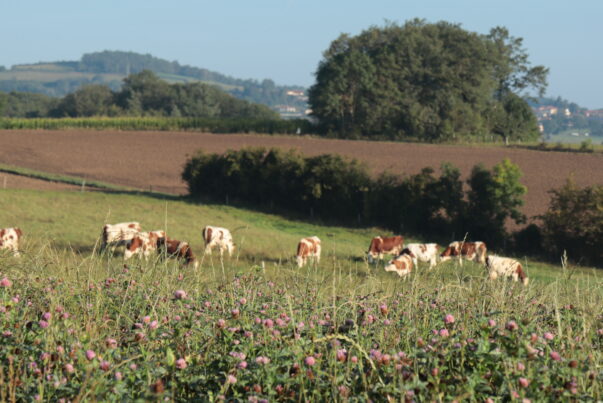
[
  {"x": 73, "y": 220},
  {"x": 81, "y": 326}
]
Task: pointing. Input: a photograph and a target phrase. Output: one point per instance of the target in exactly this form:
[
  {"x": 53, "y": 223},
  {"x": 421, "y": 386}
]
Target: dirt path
[{"x": 154, "y": 160}]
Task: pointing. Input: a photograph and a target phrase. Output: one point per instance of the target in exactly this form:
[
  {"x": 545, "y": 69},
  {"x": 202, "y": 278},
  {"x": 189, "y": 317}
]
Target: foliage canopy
[{"x": 426, "y": 81}]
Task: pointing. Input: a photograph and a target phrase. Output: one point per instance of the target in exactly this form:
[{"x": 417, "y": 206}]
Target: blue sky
[{"x": 284, "y": 40}]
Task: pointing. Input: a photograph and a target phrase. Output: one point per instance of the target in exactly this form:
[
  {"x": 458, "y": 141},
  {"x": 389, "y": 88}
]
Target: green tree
[
  {"x": 426, "y": 81},
  {"x": 89, "y": 100},
  {"x": 494, "y": 197},
  {"x": 574, "y": 223}
]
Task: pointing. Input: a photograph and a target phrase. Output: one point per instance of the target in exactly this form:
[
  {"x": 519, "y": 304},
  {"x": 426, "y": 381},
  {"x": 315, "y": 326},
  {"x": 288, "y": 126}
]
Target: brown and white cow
[
  {"x": 9, "y": 239},
  {"x": 217, "y": 237},
  {"x": 177, "y": 249},
  {"x": 403, "y": 264},
  {"x": 382, "y": 245},
  {"x": 308, "y": 248},
  {"x": 505, "y": 267},
  {"x": 469, "y": 250},
  {"x": 119, "y": 234},
  {"x": 425, "y": 252},
  {"x": 143, "y": 244}
]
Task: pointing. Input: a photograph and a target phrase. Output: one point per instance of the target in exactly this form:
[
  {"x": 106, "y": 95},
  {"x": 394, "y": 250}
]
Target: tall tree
[{"x": 425, "y": 81}]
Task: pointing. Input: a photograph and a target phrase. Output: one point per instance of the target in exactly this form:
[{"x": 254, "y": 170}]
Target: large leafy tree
[{"x": 425, "y": 81}]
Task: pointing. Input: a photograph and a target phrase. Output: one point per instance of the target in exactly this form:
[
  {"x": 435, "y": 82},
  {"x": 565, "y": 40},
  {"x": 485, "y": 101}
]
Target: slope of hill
[{"x": 111, "y": 67}]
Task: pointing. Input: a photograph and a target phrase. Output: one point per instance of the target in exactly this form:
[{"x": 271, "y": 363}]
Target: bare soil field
[{"x": 154, "y": 160}]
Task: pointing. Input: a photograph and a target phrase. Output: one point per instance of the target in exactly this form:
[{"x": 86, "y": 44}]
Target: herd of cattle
[{"x": 407, "y": 257}]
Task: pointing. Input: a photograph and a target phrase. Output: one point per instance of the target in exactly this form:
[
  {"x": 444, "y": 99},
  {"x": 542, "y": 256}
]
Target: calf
[
  {"x": 9, "y": 239},
  {"x": 469, "y": 250},
  {"x": 381, "y": 245},
  {"x": 402, "y": 264},
  {"x": 143, "y": 244},
  {"x": 308, "y": 248},
  {"x": 505, "y": 267},
  {"x": 119, "y": 234},
  {"x": 217, "y": 237},
  {"x": 178, "y": 250}
]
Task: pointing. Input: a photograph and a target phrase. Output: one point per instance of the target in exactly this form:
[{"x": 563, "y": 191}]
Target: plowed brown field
[{"x": 154, "y": 160}]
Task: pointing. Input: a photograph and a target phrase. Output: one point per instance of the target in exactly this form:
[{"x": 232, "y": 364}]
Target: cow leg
[{"x": 208, "y": 249}]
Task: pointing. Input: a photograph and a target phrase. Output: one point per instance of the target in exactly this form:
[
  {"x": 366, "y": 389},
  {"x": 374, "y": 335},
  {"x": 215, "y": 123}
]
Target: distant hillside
[
  {"x": 564, "y": 121},
  {"x": 111, "y": 67}
]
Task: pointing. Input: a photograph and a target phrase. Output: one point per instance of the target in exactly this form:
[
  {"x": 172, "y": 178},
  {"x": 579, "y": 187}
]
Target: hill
[{"x": 111, "y": 67}]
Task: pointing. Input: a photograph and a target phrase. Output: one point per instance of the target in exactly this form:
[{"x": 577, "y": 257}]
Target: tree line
[
  {"x": 100, "y": 64},
  {"x": 334, "y": 188},
  {"x": 427, "y": 82},
  {"x": 440, "y": 207},
  {"x": 142, "y": 94}
]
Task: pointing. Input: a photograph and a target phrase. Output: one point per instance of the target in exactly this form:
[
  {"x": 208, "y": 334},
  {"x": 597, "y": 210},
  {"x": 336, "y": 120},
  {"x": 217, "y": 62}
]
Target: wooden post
[
  {"x": 83, "y": 185},
  {"x": 4, "y": 186}
]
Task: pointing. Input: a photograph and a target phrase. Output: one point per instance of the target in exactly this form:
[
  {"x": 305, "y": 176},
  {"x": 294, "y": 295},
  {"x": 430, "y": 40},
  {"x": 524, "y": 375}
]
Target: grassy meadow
[{"x": 77, "y": 325}]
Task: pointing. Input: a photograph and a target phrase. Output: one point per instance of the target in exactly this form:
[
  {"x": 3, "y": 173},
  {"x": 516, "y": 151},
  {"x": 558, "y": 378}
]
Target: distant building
[
  {"x": 544, "y": 112},
  {"x": 295, "y": 93}
]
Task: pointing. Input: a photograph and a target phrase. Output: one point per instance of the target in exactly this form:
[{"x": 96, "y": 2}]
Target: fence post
[{"x": 83, "y": 185}]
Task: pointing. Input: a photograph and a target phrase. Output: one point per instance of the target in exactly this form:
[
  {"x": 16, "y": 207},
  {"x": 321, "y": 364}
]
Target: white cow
[
  {"x": 217, "y": 237},
  {"x": 425, "y": 252},
  {"x": 308, "y": 248},
  {"x": 119, "y": 234},
  {"x": 143, "y": 244},
  {"x": 403, "y": 264},
  {"x": 9, "y": 239},
  {"x": 505, "y": 267}
]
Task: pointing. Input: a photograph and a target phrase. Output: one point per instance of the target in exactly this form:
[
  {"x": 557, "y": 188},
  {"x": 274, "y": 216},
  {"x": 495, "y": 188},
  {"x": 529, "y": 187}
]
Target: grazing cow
[
  {"x": 402, "y": 264},
  {"x": 177, "y": 249},
  {"x": 308, "y": 248},
  {"x": 425, "y": 252},
  {"x": 505, "y": 267},
  {"x": 119, "y": 234},
  {"x": 469, "y": 250},
  {"x": 217, "y": 237},
  {"x": 381, "y": 245},
  {"x": 9, "y": 239},
  {"x": 143, "y": 244}
]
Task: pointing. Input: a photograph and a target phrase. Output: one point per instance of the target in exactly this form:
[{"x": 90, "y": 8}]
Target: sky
[{"x": 284, "y": 40}]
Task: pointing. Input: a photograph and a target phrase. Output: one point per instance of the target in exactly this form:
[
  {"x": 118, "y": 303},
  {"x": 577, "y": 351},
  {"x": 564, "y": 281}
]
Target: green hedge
[
  {"x": 213, "y": 125},
  {"x": 335, "y": 188}
]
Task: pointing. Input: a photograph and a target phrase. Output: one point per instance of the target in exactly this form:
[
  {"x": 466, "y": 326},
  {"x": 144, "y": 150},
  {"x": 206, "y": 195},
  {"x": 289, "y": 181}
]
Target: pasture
[{"x": 79, "y": 325}]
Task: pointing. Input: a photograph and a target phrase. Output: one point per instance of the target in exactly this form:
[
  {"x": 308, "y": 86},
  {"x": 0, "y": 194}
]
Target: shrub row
[
  {"x": 334, "y": 188},
  {"x": 213, "y": 125}
]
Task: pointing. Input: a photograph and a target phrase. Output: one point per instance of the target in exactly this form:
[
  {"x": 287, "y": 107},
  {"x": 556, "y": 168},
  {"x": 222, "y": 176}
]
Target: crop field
[
  {"x": 154, "y": 160},
  {"x": 79, "y": 325}
]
